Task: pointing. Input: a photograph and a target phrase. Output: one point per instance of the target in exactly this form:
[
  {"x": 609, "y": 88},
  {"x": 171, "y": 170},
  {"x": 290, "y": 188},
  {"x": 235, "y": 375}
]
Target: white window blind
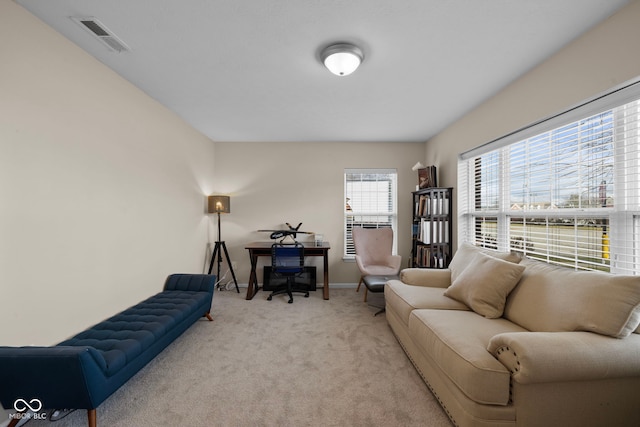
[
  {"x": 370, "y": 202},
  {"x": 568, "y": 195}
]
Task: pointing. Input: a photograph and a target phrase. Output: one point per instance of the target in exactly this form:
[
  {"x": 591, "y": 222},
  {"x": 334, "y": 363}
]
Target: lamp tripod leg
[
  {"x": 214, "y": 256},
  {"x": 233, "y": 274},
  {"x": 217, "y": 257}
]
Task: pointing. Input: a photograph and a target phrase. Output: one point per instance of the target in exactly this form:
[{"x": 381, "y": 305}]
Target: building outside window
[
  {"x": 569, "y": 195},
  {"x": 370, "y": 202}
]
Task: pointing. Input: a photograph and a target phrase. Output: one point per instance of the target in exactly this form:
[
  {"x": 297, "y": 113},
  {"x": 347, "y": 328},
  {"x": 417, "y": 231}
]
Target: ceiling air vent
[{"x": 99, "y": 31}]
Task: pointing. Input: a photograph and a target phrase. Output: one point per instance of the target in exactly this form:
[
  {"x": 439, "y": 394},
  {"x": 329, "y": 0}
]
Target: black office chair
[{"x": 288, "y": 261}]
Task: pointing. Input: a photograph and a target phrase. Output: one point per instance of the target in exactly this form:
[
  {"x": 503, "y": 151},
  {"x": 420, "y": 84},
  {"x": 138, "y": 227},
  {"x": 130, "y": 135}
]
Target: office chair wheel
[
  {"x": 269, "y": 298},
  {"x": 290, "y": 301},
  {"x": 306, "y": 295}
]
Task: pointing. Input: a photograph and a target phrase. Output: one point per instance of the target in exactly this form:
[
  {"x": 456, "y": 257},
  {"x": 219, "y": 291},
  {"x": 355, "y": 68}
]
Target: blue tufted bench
[{"x": 82, "y": 371}]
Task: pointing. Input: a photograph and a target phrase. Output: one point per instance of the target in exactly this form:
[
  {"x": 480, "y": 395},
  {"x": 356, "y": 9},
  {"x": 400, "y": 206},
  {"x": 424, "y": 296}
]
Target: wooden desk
[{"x": 258, "y": 249}]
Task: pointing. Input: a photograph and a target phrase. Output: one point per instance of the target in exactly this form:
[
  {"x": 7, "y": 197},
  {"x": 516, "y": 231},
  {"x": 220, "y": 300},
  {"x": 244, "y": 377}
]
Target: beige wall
[
  {"x": 274, "y": 183},
  {"x": 602, "y": 58},
  {"x": 101, "y": 188}
]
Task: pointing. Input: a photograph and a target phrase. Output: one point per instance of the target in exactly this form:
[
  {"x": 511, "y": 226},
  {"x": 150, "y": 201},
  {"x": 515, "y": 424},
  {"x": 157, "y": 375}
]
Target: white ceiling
[{"x": 248, "y": 70}]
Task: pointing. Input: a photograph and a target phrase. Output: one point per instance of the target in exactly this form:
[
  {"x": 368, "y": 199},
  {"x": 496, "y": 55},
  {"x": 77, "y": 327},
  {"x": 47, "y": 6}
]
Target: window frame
[
  {"x": 618, "y": 221},
  {"x": 391, "y": 212}
]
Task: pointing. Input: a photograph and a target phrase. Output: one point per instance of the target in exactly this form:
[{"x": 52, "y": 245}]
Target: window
[
  {"x": 370, "y": 202},
  {"x": 569, "y": 195}
]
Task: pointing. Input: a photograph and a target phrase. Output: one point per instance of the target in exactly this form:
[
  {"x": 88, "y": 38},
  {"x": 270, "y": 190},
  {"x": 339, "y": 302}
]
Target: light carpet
[{"x": 269, "y": 363}]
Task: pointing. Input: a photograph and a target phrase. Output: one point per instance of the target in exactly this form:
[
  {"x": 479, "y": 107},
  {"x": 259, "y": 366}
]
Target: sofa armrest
[
  {"x": 430, "y": 277},
  {"x": 542, "y": 357},
  {"x": 59, "y": 376},
  {"x": 190, "y": 282}
]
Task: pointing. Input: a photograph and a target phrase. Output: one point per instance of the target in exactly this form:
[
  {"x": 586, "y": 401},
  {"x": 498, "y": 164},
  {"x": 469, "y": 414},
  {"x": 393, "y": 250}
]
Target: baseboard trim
[
  {"x": 342, "y": 285},
  {"x": 231, "y": 286}
]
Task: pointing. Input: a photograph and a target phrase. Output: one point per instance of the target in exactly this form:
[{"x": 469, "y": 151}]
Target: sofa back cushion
[
  {"x": 551, "y": 298},
  {"x": 467, "y": 252}
]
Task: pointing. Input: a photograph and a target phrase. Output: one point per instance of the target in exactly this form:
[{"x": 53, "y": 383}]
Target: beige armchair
[{"x": 374, "y": 256}]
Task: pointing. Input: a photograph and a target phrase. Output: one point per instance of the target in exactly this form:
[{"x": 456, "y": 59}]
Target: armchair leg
[
  {"x": 359, "y": 283},
  {"x": 208, "y": 316},
  {"x": 14, "y": 422},
  {"x": 365, "y": 293},
  {"x": 91, "y": 417}
]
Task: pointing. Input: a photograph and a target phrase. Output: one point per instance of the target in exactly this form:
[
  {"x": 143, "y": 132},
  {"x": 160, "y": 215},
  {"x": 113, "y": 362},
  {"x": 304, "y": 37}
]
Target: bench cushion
[{"x": 126, "y": 335}]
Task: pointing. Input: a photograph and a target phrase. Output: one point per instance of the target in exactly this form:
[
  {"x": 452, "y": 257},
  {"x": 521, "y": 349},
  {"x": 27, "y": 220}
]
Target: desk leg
[
  {"x": 252, "y": 287},
  {"x": 325, "y": 290}
]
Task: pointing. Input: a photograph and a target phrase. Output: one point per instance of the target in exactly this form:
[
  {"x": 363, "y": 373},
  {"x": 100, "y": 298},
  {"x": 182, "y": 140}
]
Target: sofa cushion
[
  {"x": 484, "y": 285},
  {"x": 551, "y": 298},
  {"x": 405, "y": 298},
  {"x": 457, "y": 342},
  {"x": 466, "y": 252}
]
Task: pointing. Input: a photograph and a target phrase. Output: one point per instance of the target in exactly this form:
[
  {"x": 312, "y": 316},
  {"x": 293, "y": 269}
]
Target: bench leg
[
  {"x": 91, "y": 417},
  {"x": 208, "y": 316}
]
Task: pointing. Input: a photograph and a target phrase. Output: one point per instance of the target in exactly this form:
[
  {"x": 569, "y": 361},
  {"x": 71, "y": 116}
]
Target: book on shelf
[
  {"x": 427, "y": 177},
  {"x": 440, "y": 206},
  {"x": 427, "y": 206},
  {"x": 429, "y": 257},
  {"x": 422, "y": 202},
  {"x": 433, "y": 231}
]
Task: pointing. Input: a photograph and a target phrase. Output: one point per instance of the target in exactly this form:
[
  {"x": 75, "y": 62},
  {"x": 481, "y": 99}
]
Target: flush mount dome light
[{"x": 342, "y": 59}]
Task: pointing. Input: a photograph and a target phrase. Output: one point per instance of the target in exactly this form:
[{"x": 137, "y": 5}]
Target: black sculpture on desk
[{"x": 291, "y": 233}]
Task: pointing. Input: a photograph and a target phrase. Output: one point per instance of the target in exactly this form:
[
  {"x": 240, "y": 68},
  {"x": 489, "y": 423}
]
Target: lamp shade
[
  {"x": 219, "y": 204},
  {"x": 342, "y": 59}
]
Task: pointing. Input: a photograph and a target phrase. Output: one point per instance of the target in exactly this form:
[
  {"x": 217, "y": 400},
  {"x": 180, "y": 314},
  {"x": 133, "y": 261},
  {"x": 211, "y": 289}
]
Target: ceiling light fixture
[{"x": 342, "y": 59}]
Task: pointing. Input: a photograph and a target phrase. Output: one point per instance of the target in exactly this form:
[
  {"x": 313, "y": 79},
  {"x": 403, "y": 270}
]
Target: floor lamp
[{"x": 220, "y": 204}]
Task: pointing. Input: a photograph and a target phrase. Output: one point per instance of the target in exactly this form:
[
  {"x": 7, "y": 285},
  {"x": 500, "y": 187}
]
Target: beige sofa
[{"x": 521, "y": 342}]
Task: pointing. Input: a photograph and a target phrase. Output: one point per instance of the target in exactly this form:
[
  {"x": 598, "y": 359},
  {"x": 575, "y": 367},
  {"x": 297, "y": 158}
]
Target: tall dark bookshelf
[{"x": 432, "y": 227}]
